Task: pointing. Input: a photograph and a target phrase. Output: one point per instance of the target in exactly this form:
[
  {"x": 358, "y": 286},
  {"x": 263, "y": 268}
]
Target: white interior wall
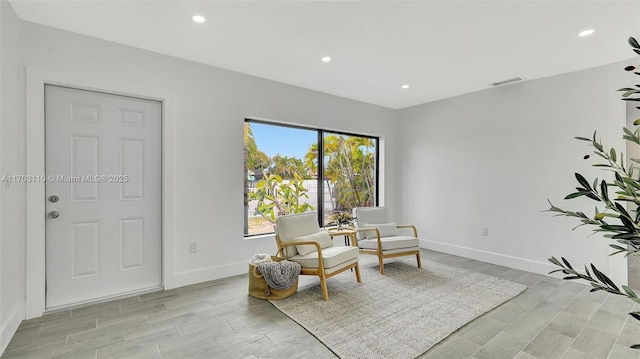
[
  {"x": 492, "y": 159},
  {"x": 12, "y": 197},
  {"x": 209, "y": 107}
]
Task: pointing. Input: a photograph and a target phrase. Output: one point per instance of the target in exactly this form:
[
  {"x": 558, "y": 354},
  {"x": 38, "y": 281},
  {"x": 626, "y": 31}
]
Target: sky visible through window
[{"x": 290, "y": 142}]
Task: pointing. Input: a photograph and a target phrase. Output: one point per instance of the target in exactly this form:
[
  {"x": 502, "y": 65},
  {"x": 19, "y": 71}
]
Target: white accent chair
[
  {"x": 379, "y": 235},
  {"x": 300, "y": 239}
]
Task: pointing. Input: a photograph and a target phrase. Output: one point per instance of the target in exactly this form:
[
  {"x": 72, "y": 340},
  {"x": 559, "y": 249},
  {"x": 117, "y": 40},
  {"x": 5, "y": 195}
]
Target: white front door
[{"x": 103, "y": 195}]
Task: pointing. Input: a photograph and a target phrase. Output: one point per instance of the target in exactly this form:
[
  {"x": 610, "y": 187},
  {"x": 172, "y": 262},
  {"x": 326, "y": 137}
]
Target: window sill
[{"x": 269, "y": 236}]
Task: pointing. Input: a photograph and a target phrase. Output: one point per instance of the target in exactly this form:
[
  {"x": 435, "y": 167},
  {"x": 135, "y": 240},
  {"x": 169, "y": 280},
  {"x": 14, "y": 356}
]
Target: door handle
[{"x": 53, "y": 214}]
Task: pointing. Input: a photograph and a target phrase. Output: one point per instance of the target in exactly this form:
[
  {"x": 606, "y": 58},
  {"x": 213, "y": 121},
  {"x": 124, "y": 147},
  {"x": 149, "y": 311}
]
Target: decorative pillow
[
  {"x": 385, "y": 229},
  {"x": 322, "y": 237}
]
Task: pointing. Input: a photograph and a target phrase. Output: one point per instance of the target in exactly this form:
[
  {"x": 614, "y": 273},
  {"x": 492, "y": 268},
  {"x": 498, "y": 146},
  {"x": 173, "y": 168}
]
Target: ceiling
[{"x": 440, "y": 48}]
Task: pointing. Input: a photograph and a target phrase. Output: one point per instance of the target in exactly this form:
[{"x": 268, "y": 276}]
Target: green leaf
[
  {"x": 629, "y": 291},
  {"x": 577, "y": 194},
  {"x": 592, "y": 196},
  {"x": 617, "y": 247},
  {"x": 612, "y": 154},
  {"x": 618, "y": 177},
  {"x": 597, "y": 145},
  {"x": 633, "y": 42},
  {"x": 582, "y": 181},
  {"x": 635, "y": 315},
  {"x": 625, "y": 215},
  {"x": 555, "y": 261},
  {"x": 566, "y": 263},
  {"x": 582, "y": 138},
  {"x": 627, "y": 223},
  {"x": 603, "y": 278}
]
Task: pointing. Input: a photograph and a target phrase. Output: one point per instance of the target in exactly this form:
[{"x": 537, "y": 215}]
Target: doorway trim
[{"x": 36, "y": 79}]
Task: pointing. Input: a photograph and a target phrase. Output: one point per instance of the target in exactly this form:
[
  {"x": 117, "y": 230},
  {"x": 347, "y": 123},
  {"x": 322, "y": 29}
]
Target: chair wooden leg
[
  {"x": 419, "y": 261},
  {"x": 325, "y": 291},
  {"x": 358, "y": 272},
  {"x": 381, "y": 265}
]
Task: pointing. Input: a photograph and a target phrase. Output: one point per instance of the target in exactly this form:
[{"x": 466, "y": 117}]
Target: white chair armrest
[{"x": 415, "y": 231}]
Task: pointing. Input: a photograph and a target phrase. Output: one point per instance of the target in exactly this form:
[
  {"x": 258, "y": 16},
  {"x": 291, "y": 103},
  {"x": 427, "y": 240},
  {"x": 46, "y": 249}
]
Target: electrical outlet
[
  {"x": 484, "y": 231},
  {"x": 193, "y": 247}
]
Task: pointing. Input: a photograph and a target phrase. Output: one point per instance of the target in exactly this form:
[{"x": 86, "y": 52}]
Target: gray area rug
[{"x": 399, "y": 315}]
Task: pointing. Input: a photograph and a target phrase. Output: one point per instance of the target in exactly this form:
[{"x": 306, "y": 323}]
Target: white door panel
[{"x": 103, "y": 161}]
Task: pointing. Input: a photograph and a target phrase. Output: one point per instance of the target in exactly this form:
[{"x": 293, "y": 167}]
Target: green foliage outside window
[
  {"x": 278, "y": 198},
  {"x": 349, "y": 170},
  {"x": 281, "y": 184}
]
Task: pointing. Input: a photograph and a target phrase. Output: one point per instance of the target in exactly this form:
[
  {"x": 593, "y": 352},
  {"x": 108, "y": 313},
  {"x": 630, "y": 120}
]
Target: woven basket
[{"x": 257, "y": 284}]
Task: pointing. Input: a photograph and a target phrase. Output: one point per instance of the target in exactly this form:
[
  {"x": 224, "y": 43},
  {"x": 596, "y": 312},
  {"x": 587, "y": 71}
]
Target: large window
[{"x": 284, "y": 176}]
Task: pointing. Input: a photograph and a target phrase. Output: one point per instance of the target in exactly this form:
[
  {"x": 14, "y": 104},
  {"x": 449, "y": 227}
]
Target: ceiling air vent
[{"x": 509, "y": 81}]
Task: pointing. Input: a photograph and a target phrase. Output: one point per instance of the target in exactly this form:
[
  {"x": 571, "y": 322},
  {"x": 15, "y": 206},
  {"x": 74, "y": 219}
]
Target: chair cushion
[
  {"x": 370, "y": 215},
  {"x": 322, "y": 237},
  {"x": 385, "y": 229},
  {"x": 294, "y": 225},
  {"x": 332, "y": 256},
  {"x": 390, "y": 243}
]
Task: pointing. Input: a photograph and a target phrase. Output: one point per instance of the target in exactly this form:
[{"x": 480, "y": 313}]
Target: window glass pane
[
  {"x": 349, "y": 174},
  {"x": 281, "y": 167}
]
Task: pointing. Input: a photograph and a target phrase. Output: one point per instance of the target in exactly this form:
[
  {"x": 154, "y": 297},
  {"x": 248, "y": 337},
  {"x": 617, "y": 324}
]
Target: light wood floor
[{"x": 551, "y": 319}]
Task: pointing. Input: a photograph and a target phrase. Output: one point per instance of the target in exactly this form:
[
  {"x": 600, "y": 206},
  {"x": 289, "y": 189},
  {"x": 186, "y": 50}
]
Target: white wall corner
[
  {"x": 35, "y": 250},
  {"x": 9, "y": 328},
  {"x": 489, "y": 257}
]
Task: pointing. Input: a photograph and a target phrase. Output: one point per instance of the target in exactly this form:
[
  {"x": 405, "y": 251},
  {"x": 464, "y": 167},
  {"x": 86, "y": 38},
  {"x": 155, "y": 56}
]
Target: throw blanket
[
  {"x": 279, "y": 275},
  {"x": 260, "y": 258}
]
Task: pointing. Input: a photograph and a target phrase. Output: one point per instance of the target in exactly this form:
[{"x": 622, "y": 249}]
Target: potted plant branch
[
  {"x": 611, "y": 217},
  {"x": 342, "y": 219}
]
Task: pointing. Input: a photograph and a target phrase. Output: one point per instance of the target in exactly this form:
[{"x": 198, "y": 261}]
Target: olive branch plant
[{"x": 614, "y": 221}]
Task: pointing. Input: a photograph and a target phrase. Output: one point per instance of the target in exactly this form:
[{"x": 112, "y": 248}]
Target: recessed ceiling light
[
  {"x": 586, "y": 33},
  {"x": 405, "y": 86},
  {"x": 198, "y": 18},
  {"x": 326, "y": 59}
]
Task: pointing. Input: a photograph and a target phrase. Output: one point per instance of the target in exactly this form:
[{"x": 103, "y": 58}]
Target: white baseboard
[
  {"x": 211, "y": 273},
  {"x": 489, "y": 257},
  {"x": 10, "y": 327},
  {"x": 229, "y": 270}
]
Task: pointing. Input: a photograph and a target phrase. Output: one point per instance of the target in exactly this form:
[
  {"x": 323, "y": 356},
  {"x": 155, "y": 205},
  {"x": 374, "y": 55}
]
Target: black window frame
[{"x": 320, "y": 177}]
